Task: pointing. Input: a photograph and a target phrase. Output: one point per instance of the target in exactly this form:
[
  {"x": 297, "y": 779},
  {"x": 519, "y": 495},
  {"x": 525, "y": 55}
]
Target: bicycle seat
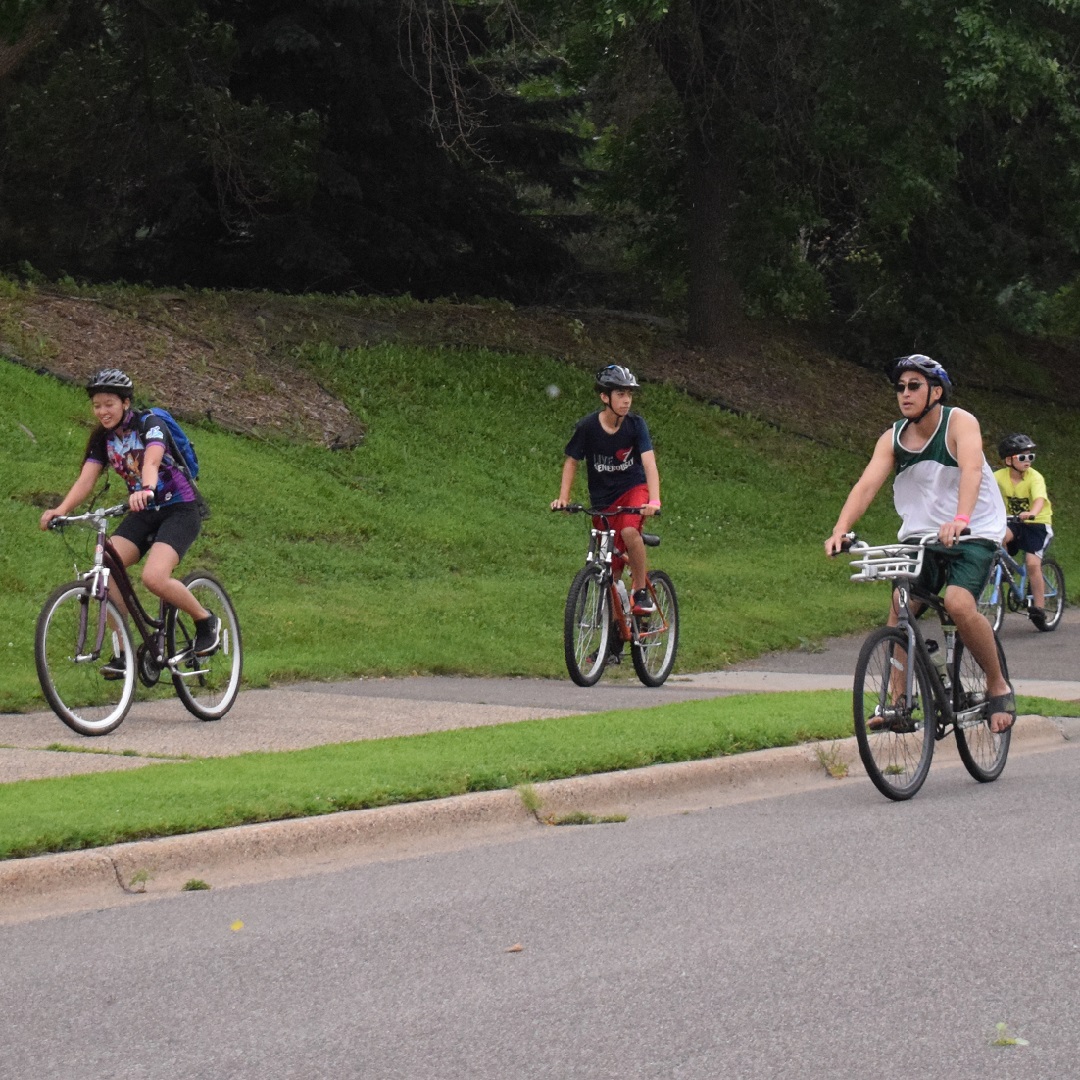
[{"x": 650, "y": 539}]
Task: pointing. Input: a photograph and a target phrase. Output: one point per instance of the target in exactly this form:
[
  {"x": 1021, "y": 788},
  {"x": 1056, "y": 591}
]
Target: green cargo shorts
[{"x": 967, "y": 565}]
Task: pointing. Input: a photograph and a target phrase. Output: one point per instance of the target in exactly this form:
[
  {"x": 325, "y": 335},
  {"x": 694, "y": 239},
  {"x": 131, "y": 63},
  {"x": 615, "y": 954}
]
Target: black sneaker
[
  {"x": 207, "y": 635},
  {"x": 116, "y": 668},
  {"x": 643, "y": 603},
  {"x": 1038, "y": 617}
]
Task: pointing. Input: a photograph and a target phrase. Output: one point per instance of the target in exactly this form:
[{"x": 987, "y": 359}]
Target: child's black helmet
[
  {"x": 110, "y": 381},
  {"x": 1015, "y": 444},
  {"x": 616, "y": 377}
]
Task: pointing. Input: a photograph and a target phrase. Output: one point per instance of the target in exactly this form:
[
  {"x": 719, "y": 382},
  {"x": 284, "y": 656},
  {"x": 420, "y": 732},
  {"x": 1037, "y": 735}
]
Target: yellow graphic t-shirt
[{"x": 1020, "y": 495}]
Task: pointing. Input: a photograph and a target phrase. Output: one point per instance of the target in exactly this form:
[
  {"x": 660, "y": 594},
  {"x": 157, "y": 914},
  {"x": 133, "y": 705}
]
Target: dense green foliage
[
  {"x": 283, "y": 144},
  {"x": 899, "y": 172}
]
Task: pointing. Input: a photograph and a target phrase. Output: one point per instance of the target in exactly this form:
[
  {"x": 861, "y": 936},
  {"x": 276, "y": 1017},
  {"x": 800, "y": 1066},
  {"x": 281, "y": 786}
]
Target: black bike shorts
[{"x": 178, "y": 526}]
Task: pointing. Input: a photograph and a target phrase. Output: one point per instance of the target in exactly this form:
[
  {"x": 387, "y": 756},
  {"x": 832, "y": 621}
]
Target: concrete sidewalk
[{"x": 312, "y": 714}]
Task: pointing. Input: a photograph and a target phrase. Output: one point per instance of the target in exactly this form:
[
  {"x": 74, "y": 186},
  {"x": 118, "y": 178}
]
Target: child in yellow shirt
[{"x": 1024, "y": 491}]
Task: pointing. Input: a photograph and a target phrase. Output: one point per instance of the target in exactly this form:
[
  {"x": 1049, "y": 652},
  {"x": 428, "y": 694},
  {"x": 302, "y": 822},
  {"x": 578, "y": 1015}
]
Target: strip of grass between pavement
[{"x": 72, "y": 813}]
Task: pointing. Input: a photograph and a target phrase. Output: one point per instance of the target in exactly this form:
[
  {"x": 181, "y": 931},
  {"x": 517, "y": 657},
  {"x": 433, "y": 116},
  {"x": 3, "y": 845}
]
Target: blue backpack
[{"x": 180, "y": 444}]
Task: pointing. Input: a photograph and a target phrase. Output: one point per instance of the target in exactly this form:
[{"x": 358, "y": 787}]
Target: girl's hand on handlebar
[
  {"x": 47, "y": 517},
  {"x": 141, "y": 499},
  {"x": 559, "y": 504}
]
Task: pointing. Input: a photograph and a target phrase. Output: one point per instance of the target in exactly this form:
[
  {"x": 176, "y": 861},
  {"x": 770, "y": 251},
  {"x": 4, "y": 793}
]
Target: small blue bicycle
[{"x": 1008, "y": 587}]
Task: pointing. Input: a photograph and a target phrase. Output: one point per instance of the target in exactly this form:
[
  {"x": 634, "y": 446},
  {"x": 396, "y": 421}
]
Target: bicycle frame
[
  {"x": 108, "y": 566},
  {"x": 602, "y": 552},
  {"x": 902, "y": 564}
]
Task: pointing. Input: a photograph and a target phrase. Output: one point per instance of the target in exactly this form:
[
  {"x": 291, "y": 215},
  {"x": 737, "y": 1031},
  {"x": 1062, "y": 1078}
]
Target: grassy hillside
[{"x": 429, "y": 548}]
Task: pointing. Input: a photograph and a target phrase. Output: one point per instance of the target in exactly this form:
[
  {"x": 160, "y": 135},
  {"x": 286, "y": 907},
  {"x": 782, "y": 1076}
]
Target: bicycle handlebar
[
  {"x": 91, "y": 517},
  {"x": 852, "y": 542},
  {"x": 581, "y": 508}
]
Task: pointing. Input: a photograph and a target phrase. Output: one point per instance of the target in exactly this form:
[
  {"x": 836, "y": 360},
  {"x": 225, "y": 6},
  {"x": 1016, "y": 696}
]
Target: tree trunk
[
  {"x": 715, "y": 304},
  {"x": 12, "y": 53}
]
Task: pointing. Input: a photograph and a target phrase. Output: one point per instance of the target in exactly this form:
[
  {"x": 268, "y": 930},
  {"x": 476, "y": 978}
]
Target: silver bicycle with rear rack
[
  {"x": 907, "y": 696},
  {"x": 80, "y": 629},
  {"x": 599, "y": 616}
]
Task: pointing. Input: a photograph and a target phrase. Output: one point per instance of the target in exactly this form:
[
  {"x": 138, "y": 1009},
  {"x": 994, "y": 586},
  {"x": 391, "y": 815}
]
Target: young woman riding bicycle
[{"x": 164, "y": 518}]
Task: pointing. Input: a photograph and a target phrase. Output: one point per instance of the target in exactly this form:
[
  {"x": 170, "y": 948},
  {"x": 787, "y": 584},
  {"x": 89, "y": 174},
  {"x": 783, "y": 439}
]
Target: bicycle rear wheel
[
  {"x": 71, "y": 679},
  {"x": 657, "y": 635},
  {"x": 587, "y": 626},
  {"x": 1054, "y": 603},
  {"x": 895, "y": 736},
  {"x": 981, "y": 750},
  {"x": 992, "y": 599},
  {"x": 207, "y": 685}
]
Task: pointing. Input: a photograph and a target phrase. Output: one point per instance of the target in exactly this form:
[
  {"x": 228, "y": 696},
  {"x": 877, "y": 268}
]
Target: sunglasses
[
  {"x": 1024, "y": 457},
  {"x": 912, "y": 386}
]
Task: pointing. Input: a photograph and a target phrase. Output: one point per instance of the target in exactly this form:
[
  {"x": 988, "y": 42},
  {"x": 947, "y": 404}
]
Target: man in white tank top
[{"x": 944, "y": 484}]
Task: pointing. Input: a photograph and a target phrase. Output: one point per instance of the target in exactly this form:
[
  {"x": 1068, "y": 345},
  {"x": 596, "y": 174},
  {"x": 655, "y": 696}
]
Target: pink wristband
[
  {"x": 965, "y": 518},
  {"x": 654, "y": 502}
]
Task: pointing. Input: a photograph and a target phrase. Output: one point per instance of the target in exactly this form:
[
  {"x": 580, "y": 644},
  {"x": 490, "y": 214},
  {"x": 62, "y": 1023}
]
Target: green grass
[
  {"x": 430, "y": 548},
  {"x": 70, "y": 813}
]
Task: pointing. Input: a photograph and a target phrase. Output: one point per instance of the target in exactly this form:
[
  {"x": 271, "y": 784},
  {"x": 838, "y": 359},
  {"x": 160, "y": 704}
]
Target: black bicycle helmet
[
  {"x": 1015, "y": 444},
  {"x": 616, "y": 377},
  {"x": 110, "y": 381}
]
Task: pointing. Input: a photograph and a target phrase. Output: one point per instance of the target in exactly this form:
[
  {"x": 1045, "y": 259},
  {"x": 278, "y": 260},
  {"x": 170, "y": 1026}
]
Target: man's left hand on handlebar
[{"x": 950, "y": 532}]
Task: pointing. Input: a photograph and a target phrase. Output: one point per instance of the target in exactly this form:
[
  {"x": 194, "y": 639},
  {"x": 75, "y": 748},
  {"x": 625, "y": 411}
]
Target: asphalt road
[{"x": 829, "y": 934}]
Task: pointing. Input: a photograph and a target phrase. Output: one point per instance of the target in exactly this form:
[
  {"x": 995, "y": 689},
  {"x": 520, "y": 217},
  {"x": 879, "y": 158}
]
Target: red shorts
[{"x": 636, "y": 496}]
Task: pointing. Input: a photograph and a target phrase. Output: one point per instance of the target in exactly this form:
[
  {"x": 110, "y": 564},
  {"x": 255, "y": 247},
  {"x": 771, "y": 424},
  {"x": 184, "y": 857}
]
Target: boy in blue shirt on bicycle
[{"x": 615, "y": 445}]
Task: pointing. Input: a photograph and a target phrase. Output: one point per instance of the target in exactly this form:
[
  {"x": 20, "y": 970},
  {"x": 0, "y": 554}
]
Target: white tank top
[{"x": 927, "y": 484}]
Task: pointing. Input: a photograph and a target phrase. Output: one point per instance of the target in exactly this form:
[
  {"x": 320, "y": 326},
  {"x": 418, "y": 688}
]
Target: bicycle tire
[
  {"x": 982, "y": 751},
  {"x": 992, "y": 599},
  {"x": 1054, "y": 601},
  {"x": 654, "y": 649},
  {"x": 896, "y": 757},
  {"x": 587, "y": 626},
  {"x": 76, "y": 690},
  {"x": 1013, "y": 600},
  {"x": 207, "y": 685}
]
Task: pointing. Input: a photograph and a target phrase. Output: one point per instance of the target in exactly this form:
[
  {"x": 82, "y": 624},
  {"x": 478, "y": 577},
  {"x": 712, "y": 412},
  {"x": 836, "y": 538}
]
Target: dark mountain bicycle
[
  {"x": 80, "y": 629},
  {"x": 599, "y": 616},
  {"x": 902, "y": 707},
  {"x": 1009, "y": 587}
]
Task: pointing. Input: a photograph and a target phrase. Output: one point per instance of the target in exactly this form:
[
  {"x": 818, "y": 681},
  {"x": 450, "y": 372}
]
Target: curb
[{"x": 51, "y": 884}]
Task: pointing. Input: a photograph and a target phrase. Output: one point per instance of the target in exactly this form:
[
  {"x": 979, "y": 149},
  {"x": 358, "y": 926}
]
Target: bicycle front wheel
[
  {"x": 981, "y": 750},
  {"x": 895, "y": 735},
  {"x": 657, "y": 637},
  {"x": 1054, "y": 604},
  {"x": 70, "y": 674},
  {"x": 587, "y": 626},
  {"x": 207, "y": 685},
  {"x": 992, "y": 599}
]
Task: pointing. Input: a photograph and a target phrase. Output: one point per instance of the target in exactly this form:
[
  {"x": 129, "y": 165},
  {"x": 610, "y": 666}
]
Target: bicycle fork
[{"x": 98, "y": 590}]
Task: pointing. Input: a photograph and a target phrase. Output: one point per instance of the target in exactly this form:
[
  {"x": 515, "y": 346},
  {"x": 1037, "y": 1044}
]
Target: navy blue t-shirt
[{"x": 613, "y": 462}]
